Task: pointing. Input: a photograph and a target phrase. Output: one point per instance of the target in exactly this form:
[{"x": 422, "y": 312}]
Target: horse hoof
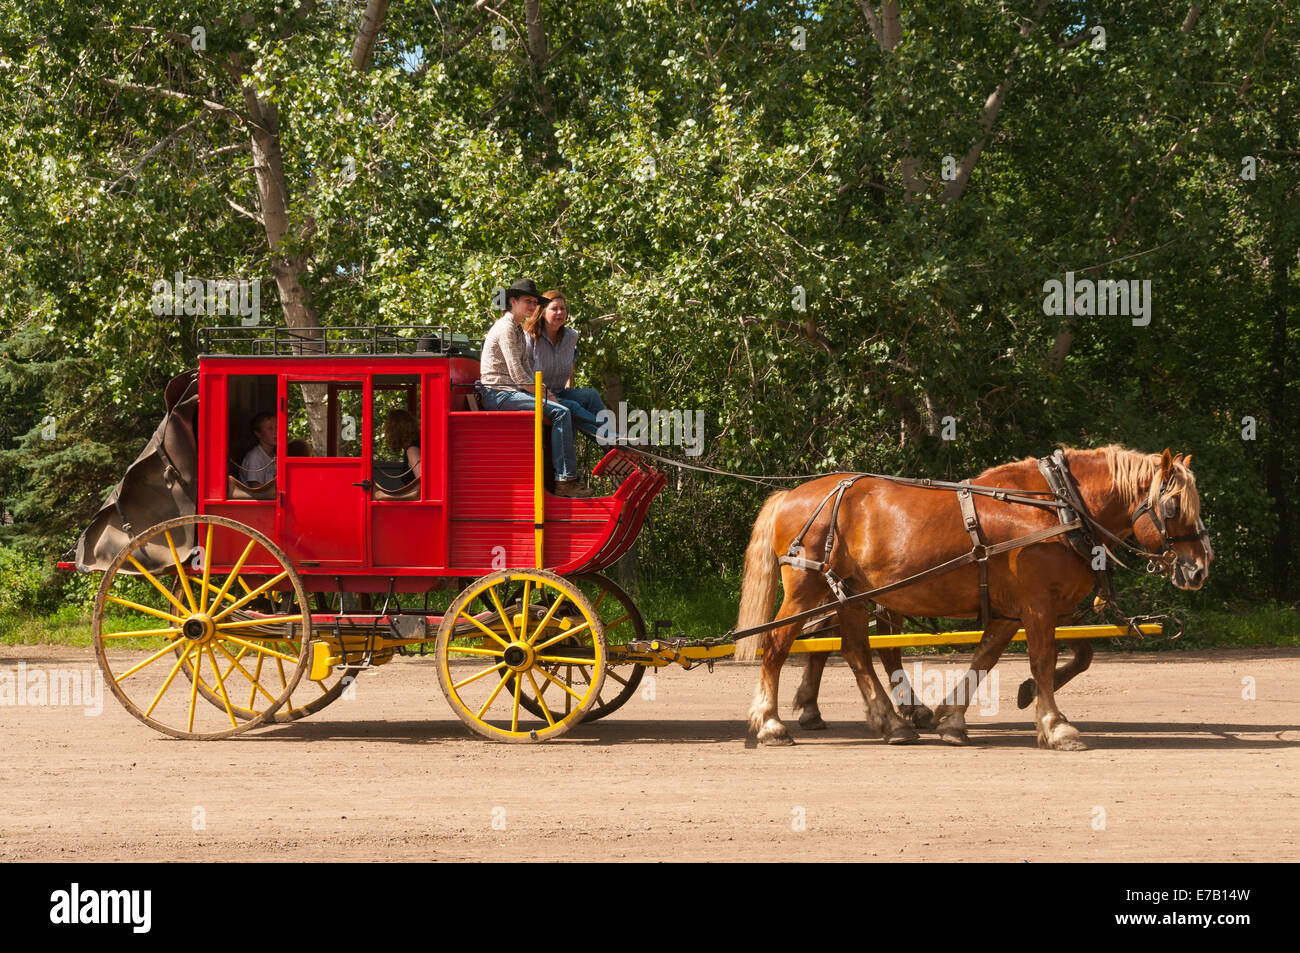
[
  {"x": 1026, "y": 694},
  {"x": 918, "y": 715},
  {"x": 1064, "y": 739},
  {"x": 814, "y": 723},
  {"x": 902, "y": 735},
  {"x": 774, "y": 734},
  {"x": 954, "y": 736},
  {"x": 1067, "y": 739}
]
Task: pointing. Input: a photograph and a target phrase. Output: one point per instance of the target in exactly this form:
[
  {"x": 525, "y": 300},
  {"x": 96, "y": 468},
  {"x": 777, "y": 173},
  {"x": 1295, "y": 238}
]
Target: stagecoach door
[{"x": 324, "y": 446}]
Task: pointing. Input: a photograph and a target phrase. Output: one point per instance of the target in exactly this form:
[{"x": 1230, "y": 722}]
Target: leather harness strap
[
  {"x": 978, "y": 550},
  {"x": 793, "y": 555},
  {"x": 1056, "y": 471}
]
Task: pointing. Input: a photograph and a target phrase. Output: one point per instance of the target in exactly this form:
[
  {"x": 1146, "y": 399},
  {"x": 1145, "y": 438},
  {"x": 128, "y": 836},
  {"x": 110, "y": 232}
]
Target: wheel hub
[
  {"x": 199, "y": 628},
  {"x": 519, "y": 656}
]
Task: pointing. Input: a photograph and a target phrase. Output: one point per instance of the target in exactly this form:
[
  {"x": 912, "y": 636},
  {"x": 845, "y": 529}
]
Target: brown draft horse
[{"x": 889, "y": 531}]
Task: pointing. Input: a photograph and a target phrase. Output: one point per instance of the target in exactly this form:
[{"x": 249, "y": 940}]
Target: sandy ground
[{"x": 1181, "y": 767}]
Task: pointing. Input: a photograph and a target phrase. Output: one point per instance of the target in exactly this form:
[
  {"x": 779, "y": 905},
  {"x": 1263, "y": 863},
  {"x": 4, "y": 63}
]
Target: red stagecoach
[{"x": 267, "y": 600}]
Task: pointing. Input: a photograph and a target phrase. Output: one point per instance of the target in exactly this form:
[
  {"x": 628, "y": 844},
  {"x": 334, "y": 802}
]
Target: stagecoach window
[
  {"x": 398, "y": 396},
  {"x": 247, "y": 396},
  {"x": 324, "y": 419}
]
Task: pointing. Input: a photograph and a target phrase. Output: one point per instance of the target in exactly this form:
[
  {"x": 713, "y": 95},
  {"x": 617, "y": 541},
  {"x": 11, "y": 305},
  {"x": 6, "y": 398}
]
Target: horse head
[{"x": 1168, "y": 523}]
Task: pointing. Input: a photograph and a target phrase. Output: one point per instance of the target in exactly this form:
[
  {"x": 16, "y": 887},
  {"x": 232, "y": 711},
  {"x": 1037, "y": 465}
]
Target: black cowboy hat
[{"x": 525, "y": 286}]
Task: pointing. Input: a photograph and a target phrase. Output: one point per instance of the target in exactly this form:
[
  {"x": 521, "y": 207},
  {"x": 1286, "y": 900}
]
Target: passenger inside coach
[
  {"x": 402, "y": 435},
  {"x": 258, "y": 466}
]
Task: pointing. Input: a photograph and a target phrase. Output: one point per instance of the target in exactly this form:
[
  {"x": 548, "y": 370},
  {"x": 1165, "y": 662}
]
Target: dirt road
[{"x": 1181, "y": 767}]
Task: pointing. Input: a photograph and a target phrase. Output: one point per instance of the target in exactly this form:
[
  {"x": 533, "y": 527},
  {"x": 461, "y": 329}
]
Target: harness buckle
[{"x": 836, "y": 584}]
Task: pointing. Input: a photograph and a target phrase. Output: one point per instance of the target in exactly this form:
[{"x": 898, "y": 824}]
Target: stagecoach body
[
  {"x": 328, "y": 567},
  {"x": 337, "y": 514}
]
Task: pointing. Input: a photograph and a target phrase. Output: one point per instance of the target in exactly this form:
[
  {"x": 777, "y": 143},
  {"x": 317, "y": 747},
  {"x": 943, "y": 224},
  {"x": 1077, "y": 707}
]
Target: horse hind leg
[
  {"x": 1080, "y": 658},
  {"x": 805, "y": 699},
  {"x": 909, "y": 706},
  {"x": 881, "y": 715},
  {"x": 765, "y": 726}
]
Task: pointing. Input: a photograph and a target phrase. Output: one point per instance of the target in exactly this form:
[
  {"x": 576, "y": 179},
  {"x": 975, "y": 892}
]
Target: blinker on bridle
[{"x": 1164, "y": 509}]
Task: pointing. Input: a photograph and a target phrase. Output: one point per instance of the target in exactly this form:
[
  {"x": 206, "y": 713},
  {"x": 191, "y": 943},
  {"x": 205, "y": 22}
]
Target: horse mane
[
  {"x": 1134, "y": 474},
  {"x": 1132, "y": 471}
]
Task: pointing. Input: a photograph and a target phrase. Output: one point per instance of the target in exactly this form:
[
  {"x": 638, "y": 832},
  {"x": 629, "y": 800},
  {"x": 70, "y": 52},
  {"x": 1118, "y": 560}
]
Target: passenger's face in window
[{"x": 265, "y": 432}]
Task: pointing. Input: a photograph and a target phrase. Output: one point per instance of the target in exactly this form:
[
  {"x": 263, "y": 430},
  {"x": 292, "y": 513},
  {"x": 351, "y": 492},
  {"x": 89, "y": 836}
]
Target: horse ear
[
  {"x": 1166, "y": 464},
  {"x": 1187, "y": 461}
]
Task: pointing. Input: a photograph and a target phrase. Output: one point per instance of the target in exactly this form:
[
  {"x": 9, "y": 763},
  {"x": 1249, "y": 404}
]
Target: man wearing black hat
[{"x": 506, "y": 382}]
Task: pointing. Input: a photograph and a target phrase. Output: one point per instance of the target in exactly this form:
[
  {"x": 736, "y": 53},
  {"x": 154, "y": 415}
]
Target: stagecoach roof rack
[{"x": 372, "y": 339}]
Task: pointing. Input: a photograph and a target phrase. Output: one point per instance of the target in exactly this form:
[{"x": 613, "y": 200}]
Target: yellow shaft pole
[{"x": 539, "y": 498}]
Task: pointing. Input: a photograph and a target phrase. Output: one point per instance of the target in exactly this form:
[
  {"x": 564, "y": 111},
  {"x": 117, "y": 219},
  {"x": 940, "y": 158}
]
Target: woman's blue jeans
[{"x": 585, "y": 405}]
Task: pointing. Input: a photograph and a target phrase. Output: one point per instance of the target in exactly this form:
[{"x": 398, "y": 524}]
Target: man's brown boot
[{"x": 573, "y": 489}]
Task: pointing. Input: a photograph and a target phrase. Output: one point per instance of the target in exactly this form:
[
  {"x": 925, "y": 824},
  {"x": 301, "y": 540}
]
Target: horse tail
[{"x": 758, "y": 586}]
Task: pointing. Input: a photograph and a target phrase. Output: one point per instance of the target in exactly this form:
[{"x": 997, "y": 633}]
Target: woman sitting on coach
[{"x": 552, "y": 348}]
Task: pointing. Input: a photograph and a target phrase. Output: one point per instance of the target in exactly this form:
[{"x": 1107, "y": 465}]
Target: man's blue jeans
[
  {"x": 564, "y": 458},
  {"x": 585, "y": 405}
]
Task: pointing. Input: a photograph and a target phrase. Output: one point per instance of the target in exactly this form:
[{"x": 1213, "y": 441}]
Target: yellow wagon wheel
[
  {"x": 145, "y": 635},
  {"x": 489, "y": 666},
  {"x": 247, "y": 701},
  {"x": 622, "y": 622}
]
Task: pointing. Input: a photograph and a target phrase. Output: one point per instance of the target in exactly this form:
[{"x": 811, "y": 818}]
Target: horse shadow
[{"x": 1098, "y": 735}]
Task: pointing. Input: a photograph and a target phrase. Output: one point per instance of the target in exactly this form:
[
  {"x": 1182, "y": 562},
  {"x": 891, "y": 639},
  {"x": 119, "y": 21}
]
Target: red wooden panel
[
  {"x": 474, "y": 546},
  {"x": 228, "y": 544},
  {"x": 433, "y": 436},
  {"x": 324, "y": 516},
  {"x": 257, "y": 514},
  {"x": 490, "y": 466},
  {"x": 211, "y": 437},
  {"x": 407, "y": 535},
  {"x": 464, "y": 370}
]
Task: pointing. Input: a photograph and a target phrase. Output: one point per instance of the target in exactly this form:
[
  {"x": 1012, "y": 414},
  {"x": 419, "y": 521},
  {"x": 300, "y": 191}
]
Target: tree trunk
[
  {"x": 364, "y": 44},
  {"x": 539, "y": 57},
  {"x": 286, "y": 265}
]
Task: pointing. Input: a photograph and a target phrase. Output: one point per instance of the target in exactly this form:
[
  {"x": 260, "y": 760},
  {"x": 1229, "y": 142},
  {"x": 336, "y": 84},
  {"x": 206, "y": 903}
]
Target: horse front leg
[
  {"x": 1080, "y": 659},
  {"x": 1054, "y": 730},
  {"x": 805, "y": 699},
  {"x": 950, "y": 717}
]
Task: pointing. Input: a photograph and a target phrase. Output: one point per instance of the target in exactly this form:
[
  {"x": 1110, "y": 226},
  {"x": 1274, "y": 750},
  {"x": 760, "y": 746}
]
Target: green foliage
[
  {"x": 681, "y": 172},
  {"x": 26, "y": 584}
]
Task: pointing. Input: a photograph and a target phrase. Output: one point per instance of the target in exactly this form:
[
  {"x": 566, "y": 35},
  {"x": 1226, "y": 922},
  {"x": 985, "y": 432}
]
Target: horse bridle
[{"x": 1163, "y": 509}]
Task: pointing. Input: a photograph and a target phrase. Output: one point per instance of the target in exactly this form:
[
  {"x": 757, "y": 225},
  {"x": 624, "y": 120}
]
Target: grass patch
[{"x": 67, "y": 625}]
